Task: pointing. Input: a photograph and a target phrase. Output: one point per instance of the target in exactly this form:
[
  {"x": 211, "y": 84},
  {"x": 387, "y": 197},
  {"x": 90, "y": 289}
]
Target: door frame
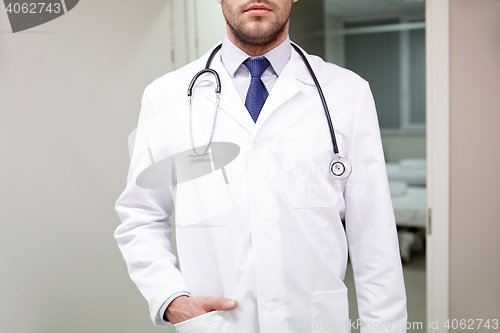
[{"x": 438, "y": 158}]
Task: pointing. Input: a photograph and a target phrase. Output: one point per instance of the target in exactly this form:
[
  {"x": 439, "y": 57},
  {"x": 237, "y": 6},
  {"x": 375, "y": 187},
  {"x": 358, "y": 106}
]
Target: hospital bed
[
  {"x": 407, "y": 181},
  {"x": 412, "y": 171},
  {"x": 409, "y": 203}
]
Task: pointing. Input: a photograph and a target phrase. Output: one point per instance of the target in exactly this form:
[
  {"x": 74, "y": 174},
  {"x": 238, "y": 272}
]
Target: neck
[{"x": 256, "y": 50}]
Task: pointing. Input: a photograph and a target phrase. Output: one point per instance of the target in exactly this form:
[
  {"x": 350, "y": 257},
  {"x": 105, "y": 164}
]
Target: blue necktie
[{"x": 257, "y": 93}]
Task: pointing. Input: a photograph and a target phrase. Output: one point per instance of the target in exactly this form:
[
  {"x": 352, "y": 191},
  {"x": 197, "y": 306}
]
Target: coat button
[
  {"x": 266, "y": 225},
  {"x": 257, "y": 145},
  {"x": 273, "y": 307}
]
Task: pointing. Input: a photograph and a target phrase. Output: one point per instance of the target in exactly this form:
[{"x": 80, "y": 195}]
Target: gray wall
[
  {"x": 70, "y": 94},
  {"x": 475, "y": 159},
  {"x": 376, "y": 58},
  {"x": 308, "y": 18}
]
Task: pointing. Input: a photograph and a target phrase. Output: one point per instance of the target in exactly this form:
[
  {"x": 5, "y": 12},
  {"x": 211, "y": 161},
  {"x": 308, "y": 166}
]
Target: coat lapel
[
  {"x": 291, "y": 81},
  {"x": 289, "y": 84},
  {"x": 230, "y": 100}
]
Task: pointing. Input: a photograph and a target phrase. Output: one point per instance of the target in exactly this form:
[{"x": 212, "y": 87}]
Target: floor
[{"x": 414, "y": 275}]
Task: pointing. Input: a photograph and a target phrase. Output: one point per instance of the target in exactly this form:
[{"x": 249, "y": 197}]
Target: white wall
[
  {"x": 198, "y": 25},
  {"x": 69, "y": 95},
  {"x": 211, "y": 24}
]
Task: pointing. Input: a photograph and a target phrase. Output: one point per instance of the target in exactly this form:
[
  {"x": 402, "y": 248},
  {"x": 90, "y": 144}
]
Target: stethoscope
[{"x": 340, "y": 168}]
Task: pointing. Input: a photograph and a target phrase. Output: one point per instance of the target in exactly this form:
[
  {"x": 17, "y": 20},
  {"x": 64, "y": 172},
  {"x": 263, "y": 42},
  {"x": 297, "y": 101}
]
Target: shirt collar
[{"x": 233, "y": 57}]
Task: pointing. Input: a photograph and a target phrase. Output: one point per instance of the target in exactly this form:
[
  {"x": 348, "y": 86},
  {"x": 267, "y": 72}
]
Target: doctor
[{"x": 261, "y": 244}]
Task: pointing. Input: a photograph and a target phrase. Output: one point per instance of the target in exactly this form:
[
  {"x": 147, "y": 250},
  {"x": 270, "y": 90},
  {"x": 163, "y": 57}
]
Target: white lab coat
[{"x": 272, "y": 238}]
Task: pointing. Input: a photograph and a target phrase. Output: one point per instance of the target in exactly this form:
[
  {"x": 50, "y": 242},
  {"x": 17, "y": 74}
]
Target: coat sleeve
[
  {"x": 371, "y": 228},
  {"x": 144, "y": 235}
]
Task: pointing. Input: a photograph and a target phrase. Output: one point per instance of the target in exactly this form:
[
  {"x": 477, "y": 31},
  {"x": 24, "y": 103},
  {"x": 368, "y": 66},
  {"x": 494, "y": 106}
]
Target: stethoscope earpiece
[{"x": 340, "y": 168}]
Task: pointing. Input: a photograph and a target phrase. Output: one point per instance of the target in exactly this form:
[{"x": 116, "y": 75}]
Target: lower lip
[{"x": 258, "y": 12}]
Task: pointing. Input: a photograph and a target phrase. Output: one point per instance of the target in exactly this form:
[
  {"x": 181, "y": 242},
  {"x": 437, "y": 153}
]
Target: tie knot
[{"x": 257, "y": 66}]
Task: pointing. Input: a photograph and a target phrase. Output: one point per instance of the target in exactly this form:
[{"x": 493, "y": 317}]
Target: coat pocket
[
  {"x": 212, "y": 322},
  {"x": 307, "y": 180},
  {"x": 330, "y": 311}
]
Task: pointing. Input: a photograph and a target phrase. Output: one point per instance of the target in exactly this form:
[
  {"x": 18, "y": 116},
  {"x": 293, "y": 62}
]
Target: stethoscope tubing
[
  {"x": 338, "y": 164},
  {"x": 322, "y": 97}
]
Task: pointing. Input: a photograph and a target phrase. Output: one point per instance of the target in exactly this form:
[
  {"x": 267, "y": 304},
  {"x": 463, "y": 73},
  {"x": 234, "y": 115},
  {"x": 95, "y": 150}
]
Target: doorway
[{"x": 385, "y": 43}]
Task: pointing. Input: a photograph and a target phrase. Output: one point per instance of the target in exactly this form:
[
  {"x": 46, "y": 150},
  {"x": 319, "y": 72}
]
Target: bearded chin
[{"x": 260, "y": 38}]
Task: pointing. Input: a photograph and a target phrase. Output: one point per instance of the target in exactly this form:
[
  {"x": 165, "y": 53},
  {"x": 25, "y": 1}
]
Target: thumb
[{"x": 224, "y": 304}]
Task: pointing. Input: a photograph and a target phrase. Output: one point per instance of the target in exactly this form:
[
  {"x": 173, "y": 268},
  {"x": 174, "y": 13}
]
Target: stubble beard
[{"x": 256, "y": 38}]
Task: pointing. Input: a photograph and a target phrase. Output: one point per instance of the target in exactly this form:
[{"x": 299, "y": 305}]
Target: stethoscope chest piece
[{"x": 340, "y": 168}]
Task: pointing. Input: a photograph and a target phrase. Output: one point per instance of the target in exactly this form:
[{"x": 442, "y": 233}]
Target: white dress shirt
[{"x": 233, "y": 58}]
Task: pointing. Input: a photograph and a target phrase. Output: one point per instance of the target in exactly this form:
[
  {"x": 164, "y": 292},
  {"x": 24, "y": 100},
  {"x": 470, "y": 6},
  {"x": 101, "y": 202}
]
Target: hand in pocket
[{"x": 184, "y": 308}]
